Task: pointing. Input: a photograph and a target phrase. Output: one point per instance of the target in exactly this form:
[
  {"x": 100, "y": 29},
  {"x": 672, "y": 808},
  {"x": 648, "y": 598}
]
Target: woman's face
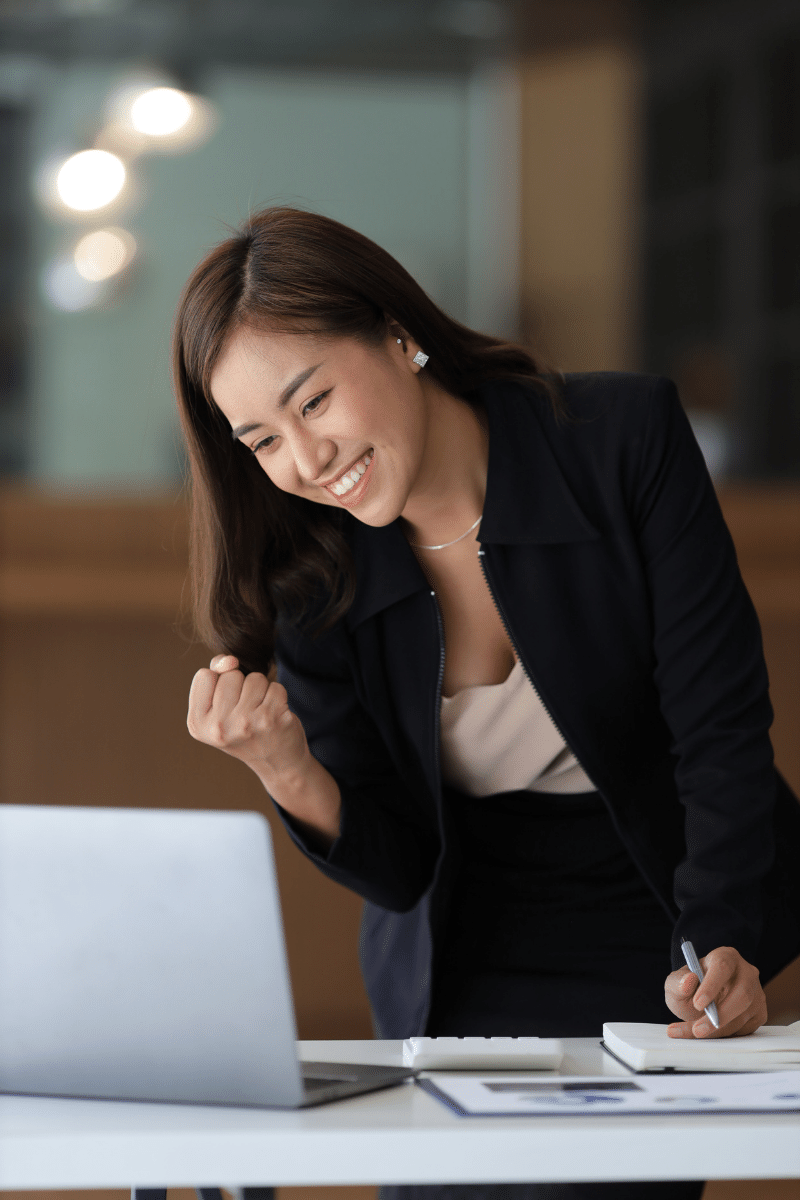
[{"x": 331, "y": 420}]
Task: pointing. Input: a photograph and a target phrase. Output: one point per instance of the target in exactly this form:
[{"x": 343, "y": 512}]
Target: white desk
[{"x": 401, "y": 1135}]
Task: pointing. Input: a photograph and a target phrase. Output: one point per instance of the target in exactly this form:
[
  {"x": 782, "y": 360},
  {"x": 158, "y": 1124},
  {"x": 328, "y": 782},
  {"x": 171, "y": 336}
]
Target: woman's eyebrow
[
  {"x": 283, "y": 399},
  {"x": 296, "y": 383}
]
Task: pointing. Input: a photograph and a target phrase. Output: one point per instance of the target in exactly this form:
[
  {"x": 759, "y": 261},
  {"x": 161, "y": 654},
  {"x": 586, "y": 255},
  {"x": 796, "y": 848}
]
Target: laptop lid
[{"x": 142, "y": 957}]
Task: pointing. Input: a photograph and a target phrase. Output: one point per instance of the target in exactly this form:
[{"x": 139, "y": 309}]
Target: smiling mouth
[{"x": 348, "y": 480}]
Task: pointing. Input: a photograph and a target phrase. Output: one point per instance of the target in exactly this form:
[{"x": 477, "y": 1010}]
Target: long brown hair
[{"x": 257, "y": 551}]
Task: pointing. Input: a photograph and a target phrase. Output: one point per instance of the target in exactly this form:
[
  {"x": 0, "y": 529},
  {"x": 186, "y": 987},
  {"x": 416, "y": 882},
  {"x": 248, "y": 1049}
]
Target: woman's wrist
[{"x": 310, "y": 794}]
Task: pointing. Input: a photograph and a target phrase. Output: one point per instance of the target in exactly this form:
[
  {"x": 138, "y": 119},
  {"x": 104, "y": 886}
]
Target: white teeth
[{"x": 352, "y": 477}]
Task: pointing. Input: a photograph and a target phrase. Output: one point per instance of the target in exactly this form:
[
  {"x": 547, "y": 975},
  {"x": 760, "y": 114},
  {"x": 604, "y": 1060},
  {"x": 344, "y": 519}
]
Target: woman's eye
[
  {"x": 312, "y": 404},
  {"x": 310, "y": 407},
  {"x": 263, "y": 444}
]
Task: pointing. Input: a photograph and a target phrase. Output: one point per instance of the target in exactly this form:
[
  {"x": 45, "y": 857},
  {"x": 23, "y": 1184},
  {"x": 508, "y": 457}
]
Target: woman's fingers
[
  {"x": 227, "y": 692},
  {"x": 275, "y": 700},
  {"x": 224, "y": 662},
  {"x": 731, "y": 983},
  {"x": 254, "y": 689},
  {"x": 212, "y": 697},
  {"x": 201, "y": 696},
  {"x": 247, "y": 717},
  {"x": 720, "y": 969},
  {"x": 204, "y": 689},
  {"x": 679, "y": 988}
]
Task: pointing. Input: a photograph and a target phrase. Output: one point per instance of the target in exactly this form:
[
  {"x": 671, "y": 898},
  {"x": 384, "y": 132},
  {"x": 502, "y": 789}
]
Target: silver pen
[{"x": 693, "y": 963}]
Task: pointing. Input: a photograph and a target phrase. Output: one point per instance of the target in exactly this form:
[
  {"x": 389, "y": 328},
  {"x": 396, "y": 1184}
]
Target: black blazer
[{"x": 603, "y": 544}]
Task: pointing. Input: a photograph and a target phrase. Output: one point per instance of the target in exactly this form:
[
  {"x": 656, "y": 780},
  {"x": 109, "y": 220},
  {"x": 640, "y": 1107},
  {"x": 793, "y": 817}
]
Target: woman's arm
[
  {"x": 713, "y": 689},
  {"x": 389, "y": 842},
  {"x": 320, "y": 758}
]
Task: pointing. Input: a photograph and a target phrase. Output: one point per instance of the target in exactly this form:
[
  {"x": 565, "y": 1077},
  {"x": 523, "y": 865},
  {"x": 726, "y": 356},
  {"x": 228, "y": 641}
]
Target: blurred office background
[{"x": 616, "y": 183}]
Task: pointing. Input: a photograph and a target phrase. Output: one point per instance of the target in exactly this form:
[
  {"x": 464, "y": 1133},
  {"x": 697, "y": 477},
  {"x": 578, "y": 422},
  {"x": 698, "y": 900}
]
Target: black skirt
[{"x": 551, "y": 931}]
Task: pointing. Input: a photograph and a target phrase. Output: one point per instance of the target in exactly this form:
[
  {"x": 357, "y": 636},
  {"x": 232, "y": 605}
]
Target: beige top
[{"x": 500, "y": 738}]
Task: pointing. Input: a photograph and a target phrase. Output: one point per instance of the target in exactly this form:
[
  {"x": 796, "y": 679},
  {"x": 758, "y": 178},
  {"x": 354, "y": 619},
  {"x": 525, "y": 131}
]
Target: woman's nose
[{"x": 312, "y": 456}]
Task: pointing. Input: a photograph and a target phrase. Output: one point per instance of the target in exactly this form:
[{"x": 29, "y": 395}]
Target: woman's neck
[{"x": 451, "y": 488}]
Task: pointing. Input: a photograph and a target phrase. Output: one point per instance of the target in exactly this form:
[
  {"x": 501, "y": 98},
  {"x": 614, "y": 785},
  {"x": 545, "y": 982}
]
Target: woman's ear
[
  {"x": 411, "y": 350},
  {"x": 396, "y": 331},
  {"x": 415, "y": 355}
]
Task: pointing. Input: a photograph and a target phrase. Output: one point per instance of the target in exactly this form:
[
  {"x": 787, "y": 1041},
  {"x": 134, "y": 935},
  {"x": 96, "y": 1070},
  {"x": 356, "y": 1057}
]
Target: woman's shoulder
[
  {"x": 615, "y": 433},
  {"x": 638, "y": 414},
  {"x": 588, "y": 393},
  {"x": 582, "y": 408}
]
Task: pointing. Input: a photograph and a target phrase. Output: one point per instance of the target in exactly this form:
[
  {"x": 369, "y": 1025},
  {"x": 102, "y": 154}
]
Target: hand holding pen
[
  {"x": 722, "y": 985},
  {"x": 693, "y": 963}
]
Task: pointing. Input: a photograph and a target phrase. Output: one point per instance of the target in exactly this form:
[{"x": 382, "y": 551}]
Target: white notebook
[{"x": 649, "y": 1048}]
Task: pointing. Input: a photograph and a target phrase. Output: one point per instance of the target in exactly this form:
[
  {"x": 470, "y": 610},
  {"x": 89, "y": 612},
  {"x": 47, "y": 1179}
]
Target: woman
[{"x": 521, "y": 704}]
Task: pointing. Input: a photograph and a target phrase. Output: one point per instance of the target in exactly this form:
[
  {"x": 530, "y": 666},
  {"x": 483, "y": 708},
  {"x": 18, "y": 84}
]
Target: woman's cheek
[{"x": 284, "y": 479}]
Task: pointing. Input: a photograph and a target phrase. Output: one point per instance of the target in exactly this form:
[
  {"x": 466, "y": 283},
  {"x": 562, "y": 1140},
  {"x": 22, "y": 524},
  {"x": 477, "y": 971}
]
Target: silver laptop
[{"x": 142, "y": 958}]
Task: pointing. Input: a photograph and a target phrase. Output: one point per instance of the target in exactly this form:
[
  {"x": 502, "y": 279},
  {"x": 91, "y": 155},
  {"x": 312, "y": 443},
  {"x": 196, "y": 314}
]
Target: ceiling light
[
  {"x": 90, "y": 180},
  {"x": 161, "y": 111},
  {"x": 147, "y": 113},
  {"x": 103, "y": 253}
]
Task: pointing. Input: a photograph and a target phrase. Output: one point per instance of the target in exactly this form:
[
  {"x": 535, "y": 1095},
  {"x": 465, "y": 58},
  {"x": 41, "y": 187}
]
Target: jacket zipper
[
  {"x": 438, "y": 689},
  {"x": 438, "y": 777},
  {"x": 529, "y": 677}
]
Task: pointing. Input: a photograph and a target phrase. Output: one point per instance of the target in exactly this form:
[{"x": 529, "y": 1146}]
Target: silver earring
[
  {"x": 399, "y": 341},
  {"x": 420, "y": 359}
]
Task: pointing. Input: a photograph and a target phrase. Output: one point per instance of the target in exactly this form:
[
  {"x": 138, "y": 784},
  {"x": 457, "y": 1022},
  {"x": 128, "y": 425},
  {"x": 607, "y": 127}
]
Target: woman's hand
[
  {"x": 731, "y": 982},
  {"x": 247, "y": 717}
]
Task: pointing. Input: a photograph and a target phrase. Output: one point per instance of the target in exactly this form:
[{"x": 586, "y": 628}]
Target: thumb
[{"x": 223, "y": 662}]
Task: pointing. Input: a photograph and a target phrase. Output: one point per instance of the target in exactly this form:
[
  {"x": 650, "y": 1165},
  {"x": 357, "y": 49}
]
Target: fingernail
[{"x": 222, "y": 662}]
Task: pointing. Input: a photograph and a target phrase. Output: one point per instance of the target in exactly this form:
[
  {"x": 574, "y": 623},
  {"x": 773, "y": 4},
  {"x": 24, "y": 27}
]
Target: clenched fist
[{"x": 248, "y": 718}]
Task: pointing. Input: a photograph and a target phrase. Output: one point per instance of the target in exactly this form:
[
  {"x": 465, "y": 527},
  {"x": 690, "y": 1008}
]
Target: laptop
[{"x": 142, "y": 958}]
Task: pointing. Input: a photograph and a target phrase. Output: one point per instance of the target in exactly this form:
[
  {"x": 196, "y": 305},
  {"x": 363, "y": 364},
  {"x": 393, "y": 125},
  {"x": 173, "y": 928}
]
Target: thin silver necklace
[{"x": 444, "y": 545}]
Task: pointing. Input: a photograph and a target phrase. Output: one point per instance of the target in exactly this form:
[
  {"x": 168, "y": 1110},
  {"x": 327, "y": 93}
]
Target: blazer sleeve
[
  {"x": 389, "y": 843},
  {"x": 713, "y": 686}
]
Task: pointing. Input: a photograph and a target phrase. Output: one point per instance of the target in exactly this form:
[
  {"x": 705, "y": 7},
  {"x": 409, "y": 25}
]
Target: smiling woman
[{"x": 521, "y": 704}]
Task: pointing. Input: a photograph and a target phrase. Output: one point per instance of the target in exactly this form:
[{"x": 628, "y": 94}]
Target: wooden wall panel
[{"x": 580, "y": 114}]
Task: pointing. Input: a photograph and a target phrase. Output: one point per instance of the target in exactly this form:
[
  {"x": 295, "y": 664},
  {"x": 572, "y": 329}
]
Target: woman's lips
[{"x": 348, "y": 499}]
